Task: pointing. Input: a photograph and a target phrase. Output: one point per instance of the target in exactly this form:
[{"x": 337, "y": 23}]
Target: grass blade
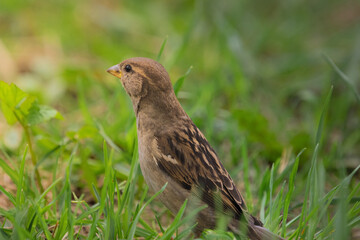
[
  {"x": 322, "y": 117},
  {"x": 343, "y": 77},
  {"x": 180, "y": 81},
  {"x": 162, "y": 49},
  {"x": 137, "y": 217},
  {"x": 9, "y": 171},
  {"x": 290, "y": 192}
]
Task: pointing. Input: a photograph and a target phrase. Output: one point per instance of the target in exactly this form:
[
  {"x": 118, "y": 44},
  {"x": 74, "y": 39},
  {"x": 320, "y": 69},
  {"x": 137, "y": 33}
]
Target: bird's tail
[
  {"x": 253, "y": 230},
  {"x": 261, "y": 233}
]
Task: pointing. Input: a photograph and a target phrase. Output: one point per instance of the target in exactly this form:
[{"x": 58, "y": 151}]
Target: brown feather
[{"x": 198, "y": 168}]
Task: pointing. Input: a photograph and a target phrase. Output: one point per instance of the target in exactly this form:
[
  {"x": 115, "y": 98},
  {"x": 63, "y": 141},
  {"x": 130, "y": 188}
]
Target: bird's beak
[{"x": 115, "y": 70}]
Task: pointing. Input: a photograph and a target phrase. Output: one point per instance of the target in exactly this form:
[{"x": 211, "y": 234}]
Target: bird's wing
[{"x": 187, "y": 157}]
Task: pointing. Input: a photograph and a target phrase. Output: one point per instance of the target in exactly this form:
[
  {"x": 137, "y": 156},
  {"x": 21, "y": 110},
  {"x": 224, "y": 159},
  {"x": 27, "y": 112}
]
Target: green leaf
[
  {"x": 15, "y": 103},
  {"x": 8, "y": 114},
  {"x": 40, "y": 113}
]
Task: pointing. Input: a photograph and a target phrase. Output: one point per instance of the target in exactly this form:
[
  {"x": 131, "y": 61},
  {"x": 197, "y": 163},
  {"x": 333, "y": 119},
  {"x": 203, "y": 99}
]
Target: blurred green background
[
  {"x": 259, "y": 76},
  {"x": 258, "y": 66}
]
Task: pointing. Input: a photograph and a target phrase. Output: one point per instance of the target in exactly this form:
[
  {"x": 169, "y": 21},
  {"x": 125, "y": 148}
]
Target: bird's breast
[{"x": 174, "y": 195}]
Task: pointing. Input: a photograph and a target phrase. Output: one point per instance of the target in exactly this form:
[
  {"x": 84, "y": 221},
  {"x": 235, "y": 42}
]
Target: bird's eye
[{"x": 128, "y": 68}]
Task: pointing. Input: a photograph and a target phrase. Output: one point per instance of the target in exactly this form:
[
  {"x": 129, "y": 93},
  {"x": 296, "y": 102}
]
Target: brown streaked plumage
[{"x": 173, "y": 150}]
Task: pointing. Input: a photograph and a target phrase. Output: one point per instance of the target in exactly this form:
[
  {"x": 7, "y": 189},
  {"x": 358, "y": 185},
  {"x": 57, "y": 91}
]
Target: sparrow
[{"x": 173, "y": 150}]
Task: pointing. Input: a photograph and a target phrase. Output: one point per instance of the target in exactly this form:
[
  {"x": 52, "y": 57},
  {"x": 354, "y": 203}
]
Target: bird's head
[
  {"x": 148, "y": 85},
  {"x": 141, "y": 77}
]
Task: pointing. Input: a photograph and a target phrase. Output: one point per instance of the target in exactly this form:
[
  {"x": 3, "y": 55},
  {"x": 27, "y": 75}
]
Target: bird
[{"x": 173, "y": 151}]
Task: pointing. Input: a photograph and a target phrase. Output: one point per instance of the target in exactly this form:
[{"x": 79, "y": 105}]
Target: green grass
[{"x": 274, "y": 86}]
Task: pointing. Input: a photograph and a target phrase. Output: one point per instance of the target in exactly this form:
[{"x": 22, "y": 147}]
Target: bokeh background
[{"x": 260, "y": 76}]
